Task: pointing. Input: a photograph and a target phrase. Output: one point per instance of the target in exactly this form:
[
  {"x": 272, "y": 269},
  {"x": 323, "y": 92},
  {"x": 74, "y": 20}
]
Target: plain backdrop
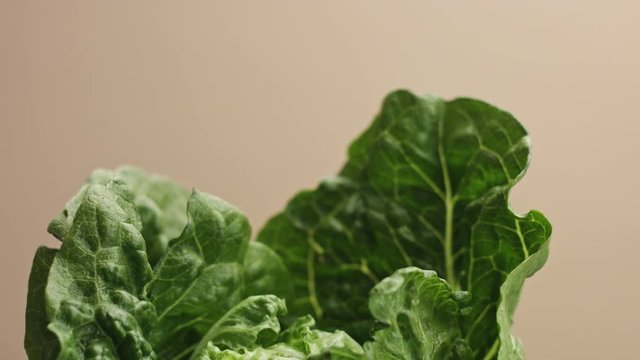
[{"x": 254, "y": 100}]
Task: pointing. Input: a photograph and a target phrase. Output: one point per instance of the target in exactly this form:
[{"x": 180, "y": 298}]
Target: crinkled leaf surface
[
  {"x": 251, "y": 323},
  {"x": 40, "y": 343},
  {"x": 426, "y": 185},
  {"x": 200, "y": 277},
  {"x": 276, "y": 352},
  {"x": 94, "y": 293},
  {"x": 320, "y": 344},
  {"x": 161, "y": 203},
  {"x": 250, "y": 331},
  {"x": 423, "y": 318}
]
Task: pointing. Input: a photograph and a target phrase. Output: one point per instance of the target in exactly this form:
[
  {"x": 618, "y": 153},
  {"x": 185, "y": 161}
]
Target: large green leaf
[
  {"x": 423, "y": 318},
  {"x": 94, "y": 292},
  {"x": 426, "y": 185},
  {"x": 200, "y": 277},
  {"x": 40, "y": 343}
]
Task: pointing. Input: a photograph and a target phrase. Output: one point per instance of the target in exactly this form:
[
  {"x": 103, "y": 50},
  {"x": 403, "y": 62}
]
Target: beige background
[{"x": 255, "y": 100}]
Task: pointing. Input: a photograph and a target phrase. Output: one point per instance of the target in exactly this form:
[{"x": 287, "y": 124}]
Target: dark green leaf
[
  {"x": 40, "y": 343},
  {"x": 426, "y": 185}
]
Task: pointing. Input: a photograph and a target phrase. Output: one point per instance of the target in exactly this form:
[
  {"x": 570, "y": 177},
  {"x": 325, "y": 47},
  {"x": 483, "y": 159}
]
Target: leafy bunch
[{"x": 410, "y": 252}]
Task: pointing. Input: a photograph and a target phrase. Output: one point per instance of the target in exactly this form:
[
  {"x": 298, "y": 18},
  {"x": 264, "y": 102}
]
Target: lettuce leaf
[
  {"x": 423, "y": 318},
  {"x": 251, "y": 331},
  {"x": 201, "y": 276},
  {"x": 94, "y": 293},
  {"x": 99, "y": 296}
]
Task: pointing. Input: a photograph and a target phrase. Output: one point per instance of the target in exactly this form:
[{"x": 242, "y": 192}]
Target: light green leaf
[
  {"x": 426, "y": 185},
  {"x": 250, "y": 329},
  {"x": 200, "y": 277},
  {"x": 40, "y": 343},
  {"x": 423, "y": 318},
  {"x": 321, "y": 344},
  {"x": 94, "y": 291},
  {"x": 276, "y": 352},
  {"x": 161, "y": 203},
  {"x": 251, "y": 323},
  {"x": 511, "y": 348}
]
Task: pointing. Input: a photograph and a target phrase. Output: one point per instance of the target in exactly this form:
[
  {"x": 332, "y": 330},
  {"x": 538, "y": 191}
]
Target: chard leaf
[
  {"x": 200, "y": 277},
  {"x": 423, "y": 318},
  {"x": 426, "y": 185},
  {"x": 94, "y": 290},
  {"x": 39, "y": 342},
  {"x": 250, "y": 331}
]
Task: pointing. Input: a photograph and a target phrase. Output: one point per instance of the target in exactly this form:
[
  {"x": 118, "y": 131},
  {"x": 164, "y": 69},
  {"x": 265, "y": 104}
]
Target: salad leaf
[
  {"x": 116, "y": 305},
  {"x": 423, "y": 317},
  {"x": 200, "y": 277},
  {"x": 160, "y": 202},
  {"x": 162, "y": 207},
  {"x": 95, "y": 284},
  {"x": 252, "y": 322},
  {"x": 510, "y": 347},
  {"x": 321, "y": 344},
  {"x": 251, "y": 331},
  {"x": 426, "y": 185},
  {"x": 39, "y": 342}
]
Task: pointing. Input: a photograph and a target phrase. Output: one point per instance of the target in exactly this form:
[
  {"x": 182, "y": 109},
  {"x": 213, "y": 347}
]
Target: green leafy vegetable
[
  {"x": 200, "y": 277},
  {"x": 426, "y": 185},
  {"x": 411, "y": 252},
  {"x": 95, "y": 284},
  {"x": 251, "y": 331},
  {"x": 423, "y": 315},
  {"x": 161, "y": 203}
]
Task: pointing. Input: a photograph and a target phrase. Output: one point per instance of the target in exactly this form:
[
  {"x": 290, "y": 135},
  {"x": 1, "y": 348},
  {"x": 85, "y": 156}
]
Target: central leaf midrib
[{"x": 449, "y": 204}]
